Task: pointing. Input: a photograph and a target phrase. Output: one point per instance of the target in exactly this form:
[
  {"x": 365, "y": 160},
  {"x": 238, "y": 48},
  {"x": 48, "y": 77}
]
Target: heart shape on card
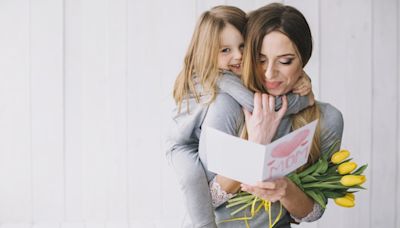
[{"x": 285, "y": 148}]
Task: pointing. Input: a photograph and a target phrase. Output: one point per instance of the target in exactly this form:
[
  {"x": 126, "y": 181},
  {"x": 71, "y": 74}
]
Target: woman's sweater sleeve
[{"x": 331, "y": 135}]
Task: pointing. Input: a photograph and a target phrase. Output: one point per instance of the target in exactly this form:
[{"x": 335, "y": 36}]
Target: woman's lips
[{"x": 272, "y": 85}]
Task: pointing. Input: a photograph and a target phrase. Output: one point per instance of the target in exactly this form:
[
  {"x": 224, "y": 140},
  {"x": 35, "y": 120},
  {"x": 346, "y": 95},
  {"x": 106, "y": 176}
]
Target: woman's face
[{"x": 279, "y": 63}]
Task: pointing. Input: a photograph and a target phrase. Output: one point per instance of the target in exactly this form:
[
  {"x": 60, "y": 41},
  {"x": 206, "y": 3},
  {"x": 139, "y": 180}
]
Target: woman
[
  {"x": 278, "y": 45},
  {"x": 211, "y": 69}
]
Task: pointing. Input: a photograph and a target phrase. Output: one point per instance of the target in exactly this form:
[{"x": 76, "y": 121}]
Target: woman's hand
[
  {"x": 264, "y": 121},
  {"x": 296, "y": 202},
  {"x": 303, "y": 85},
  {"x": 270, "y": 190}
]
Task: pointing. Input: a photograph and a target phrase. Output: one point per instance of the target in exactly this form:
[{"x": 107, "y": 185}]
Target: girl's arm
[{"x": 231, "y": 84}]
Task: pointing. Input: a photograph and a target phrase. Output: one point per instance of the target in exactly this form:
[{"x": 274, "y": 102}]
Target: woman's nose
[{"x": 270, "y": 72}]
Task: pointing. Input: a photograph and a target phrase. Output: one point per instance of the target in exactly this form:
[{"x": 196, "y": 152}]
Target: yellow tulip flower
[
  {"x": 345, "y": 201},
  {"x": 347, "y": 167},
  {"x": 351, "y": 180},
  {"x": 340, "y": 156},
  {"x": 350, "y": 196}
]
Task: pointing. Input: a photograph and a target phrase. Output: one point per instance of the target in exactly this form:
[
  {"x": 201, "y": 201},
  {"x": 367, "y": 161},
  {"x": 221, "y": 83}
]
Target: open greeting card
[{"x": 248, "y": 162}]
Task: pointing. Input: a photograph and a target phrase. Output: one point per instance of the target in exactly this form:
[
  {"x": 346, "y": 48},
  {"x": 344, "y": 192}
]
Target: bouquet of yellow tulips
[
  {"x": 333, "y": 176},
  {"x": 336, "y": 179}
]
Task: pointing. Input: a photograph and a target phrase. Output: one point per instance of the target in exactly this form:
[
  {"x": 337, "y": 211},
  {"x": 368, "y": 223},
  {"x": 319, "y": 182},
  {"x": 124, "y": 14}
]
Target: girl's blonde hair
[
  {"x": 201, "y": 59},
  {"x": 292, "y": 23}
]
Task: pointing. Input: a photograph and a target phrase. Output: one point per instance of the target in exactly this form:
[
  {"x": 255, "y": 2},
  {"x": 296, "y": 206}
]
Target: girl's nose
[{"x": 237, "y": 54}]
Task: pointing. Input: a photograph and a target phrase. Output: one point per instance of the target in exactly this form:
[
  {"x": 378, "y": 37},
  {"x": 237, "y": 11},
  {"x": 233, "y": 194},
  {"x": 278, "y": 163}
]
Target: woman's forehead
[{"x": 277, "y": 44}]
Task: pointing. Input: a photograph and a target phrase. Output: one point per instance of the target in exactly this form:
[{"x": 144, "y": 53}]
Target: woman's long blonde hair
[
  {"x": 201, "y": 59},
  {"x": 289, "y": 21}
]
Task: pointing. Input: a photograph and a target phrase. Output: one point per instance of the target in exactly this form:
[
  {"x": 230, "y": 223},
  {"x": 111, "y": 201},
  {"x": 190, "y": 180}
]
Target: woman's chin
[{"x": 275, "y": 92}]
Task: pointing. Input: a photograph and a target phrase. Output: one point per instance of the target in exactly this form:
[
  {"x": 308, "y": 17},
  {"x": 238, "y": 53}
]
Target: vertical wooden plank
[
  {"x": 46, "y": 225},
  {"x": 261, "y": 3},
  {"x": 95, "y": 225},
  {"x": 95, "y": 110},
  {"x": 15, "y": 125},
  {"x": 346, "y": 82},
  {"x": 117, "y": 224},
  {"x": 246, "y": 6},
  {"x": 397, "y": 209},
  {"x": 73, "y": 112},
  {"x": 203, "y": 5},
  {"x": 73, "y": 225},
  {"x": 384, "y": 113},
  {"x": 117, "y": 179},
  {"x": 15, "y": 225},
  {"x": 47, "y": 110},
  {"x": 177, "y": 26},
  {"x": 144, "y": 110},
  {"x": 310, "y": 10}
]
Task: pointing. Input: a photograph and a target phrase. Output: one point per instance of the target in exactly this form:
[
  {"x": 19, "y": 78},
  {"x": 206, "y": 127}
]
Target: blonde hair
[
  {"x": 289, "y": 21},
  {"x": 201, "y": 59}
]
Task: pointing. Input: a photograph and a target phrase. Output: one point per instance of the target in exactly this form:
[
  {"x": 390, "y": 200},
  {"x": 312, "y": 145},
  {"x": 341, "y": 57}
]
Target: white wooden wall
[{"x": 85, "y": 89}]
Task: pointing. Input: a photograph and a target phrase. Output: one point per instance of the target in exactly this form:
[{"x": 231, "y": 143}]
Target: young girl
[{"x": 211, "y": 68}]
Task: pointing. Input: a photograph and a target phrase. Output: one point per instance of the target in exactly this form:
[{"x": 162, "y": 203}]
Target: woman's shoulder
[
  {"x": 331, "y": 126},
  {"x": 330, "y": 115}
]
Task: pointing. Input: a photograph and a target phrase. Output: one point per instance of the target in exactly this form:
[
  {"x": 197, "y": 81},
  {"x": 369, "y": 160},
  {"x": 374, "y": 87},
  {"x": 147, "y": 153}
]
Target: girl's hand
[
  {"x": 263, "y": 123},
  {"x": 303, "y": 85},
  {"x": 270, "y": 190}
]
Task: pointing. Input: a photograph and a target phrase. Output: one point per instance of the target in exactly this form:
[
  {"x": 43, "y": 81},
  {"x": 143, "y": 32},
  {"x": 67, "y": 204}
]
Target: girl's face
[
  {"x": 231, "y": 50},
  {"x": 279, "y": 63}
]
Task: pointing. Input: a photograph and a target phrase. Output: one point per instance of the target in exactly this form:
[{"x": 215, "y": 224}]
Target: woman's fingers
[
  {"x": 270, "y": 194},
  {"x": 265, "y": 101},
  {"x": 257, "y": 103},
  {"x": 266, "y": 185},
  {"x": 272, "y": 103}
]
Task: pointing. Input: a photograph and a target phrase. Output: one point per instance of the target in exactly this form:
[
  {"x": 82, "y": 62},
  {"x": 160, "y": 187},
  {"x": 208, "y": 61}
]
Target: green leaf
[
  {"x": 241, "y": 198},
  {"x": 358, "y": 187},
  {"x": 241, "y": 208},
  {"x": 334, "y": 194},
  {"x": 309, "y": 170},
  {"x": 295, "y": 178},
  {"x": 360, "y": 170},
  {"x": 329, "y": 178},
  {"x": 322, "y": 167},
  {"x": 331, "y": 150},
  {"x": 332, "y": 169},
  {"x": 324, "y": 186},
  {"x": 324, "y": 199},
  {"x": 308, "y": 179},
  {"x": 317, "y": 197}
]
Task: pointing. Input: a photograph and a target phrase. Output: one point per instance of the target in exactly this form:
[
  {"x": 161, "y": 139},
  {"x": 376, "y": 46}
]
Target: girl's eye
[
  {"x": 225, "y": 50},
  {"x": 241, "y": 47},
  {"x": 286, "y": 61}
]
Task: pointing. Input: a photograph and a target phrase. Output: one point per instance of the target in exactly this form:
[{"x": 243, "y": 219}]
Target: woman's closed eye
[{"x": 286, "y": 61}]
